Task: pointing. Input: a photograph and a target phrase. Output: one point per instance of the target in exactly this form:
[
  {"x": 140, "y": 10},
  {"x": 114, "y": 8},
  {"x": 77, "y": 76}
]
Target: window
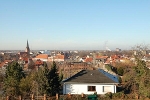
[
  {"x": 107, "y": 89},
  {"x": 91, "y": 88}
]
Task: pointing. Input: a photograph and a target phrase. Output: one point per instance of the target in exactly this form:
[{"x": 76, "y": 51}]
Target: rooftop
[
  {"x": 42, "y": 56},
  {"x": 92, "y": 76}
]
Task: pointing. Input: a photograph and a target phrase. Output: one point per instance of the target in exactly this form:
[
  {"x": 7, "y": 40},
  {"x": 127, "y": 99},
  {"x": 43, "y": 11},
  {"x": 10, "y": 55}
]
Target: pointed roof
[
  {"x": 27, "y": 44},
  {"x": 27, "y": 48}
]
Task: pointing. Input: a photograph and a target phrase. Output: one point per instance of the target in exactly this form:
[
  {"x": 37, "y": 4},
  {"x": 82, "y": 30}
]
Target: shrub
[
  {"x": 118, "y": 95},
  {"x": 119, "y": 79},
  {"x": 120, "y": 71},
  {"x": 108, "y": 95},
  {"x": 108, "y": 67}
]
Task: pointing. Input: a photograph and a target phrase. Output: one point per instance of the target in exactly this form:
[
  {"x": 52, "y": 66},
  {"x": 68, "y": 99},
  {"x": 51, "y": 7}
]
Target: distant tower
[{"x": 27, "y": 48}]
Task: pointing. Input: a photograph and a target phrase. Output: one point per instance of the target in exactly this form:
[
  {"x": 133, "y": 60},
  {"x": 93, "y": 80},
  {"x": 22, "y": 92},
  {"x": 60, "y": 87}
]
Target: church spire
[
  {"x": 27, "y": 44},
  {"x": 27, "y": 48}
]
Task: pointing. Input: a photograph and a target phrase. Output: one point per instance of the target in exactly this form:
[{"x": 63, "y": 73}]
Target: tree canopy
[
  {"x": 48, "y": 80},
  {"x": 137, "y": 80},
  {"x": 13, "y": 76},
  {"x": 43, "y": 81}
]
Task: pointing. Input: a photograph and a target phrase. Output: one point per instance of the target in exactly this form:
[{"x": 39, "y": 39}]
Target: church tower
[{"x": 27, "y": 48}]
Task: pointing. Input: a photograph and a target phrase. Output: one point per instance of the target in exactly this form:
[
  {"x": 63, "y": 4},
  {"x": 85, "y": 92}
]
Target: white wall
[{"x": 83, "y": 88}]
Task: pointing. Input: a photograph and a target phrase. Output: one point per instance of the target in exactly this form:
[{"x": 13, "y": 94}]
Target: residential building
[{"x": 89, "y": 82}]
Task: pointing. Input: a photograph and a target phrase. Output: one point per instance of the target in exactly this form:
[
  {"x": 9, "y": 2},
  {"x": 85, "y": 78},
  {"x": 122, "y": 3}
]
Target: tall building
[
  {"x": 25, "y": 56},
  {"x": 27, "y": 49}
]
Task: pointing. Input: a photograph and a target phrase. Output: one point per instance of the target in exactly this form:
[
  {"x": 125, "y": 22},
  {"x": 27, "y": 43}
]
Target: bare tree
[{"x": 140, "y": 50}]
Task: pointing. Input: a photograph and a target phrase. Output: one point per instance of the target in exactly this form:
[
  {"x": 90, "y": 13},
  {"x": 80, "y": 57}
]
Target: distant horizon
[
  {"x": 103, "y": 48},
  {"x": 74, "y": 25},
  {"x": 65, "y": 50}
]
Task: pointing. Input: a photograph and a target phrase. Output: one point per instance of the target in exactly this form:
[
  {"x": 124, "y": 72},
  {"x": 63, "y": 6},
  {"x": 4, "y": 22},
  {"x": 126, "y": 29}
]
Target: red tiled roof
[
  {"x": 42, "y": 56},
  {"x": 25, "y": 59},
  {"x": 39, "y": 62},
  {"x": 88, "y": 59},
  {"x": 107, "y": 62},
  {"x": 59, "y": 57},
  {"x": 5, "y": 62},
  {"x": 8, "y": 61},
  {"x": 101, "y": 57},
  {"x": 2, "y": 64},
  {"x": 115, "y": 57}
]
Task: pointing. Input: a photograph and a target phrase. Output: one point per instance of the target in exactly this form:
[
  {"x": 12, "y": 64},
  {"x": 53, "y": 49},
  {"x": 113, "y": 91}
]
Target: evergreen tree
[
  {"x": 42, "y": 80},
  {"x": 55, "y": 80},
  {"x": 14, "y": 73},
  {"x": 27, "y": 84},
  {"x": 48, "y": 80}
]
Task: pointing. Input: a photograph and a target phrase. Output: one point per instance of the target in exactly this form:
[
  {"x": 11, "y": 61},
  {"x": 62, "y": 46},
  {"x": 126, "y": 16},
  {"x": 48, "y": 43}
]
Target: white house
[{"x": 89, "y": 82}]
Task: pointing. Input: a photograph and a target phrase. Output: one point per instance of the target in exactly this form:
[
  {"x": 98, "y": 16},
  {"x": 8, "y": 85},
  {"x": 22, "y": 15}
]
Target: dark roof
[
  {"x": 112, "y": 77},
  {"x": 91, "y": 76}
]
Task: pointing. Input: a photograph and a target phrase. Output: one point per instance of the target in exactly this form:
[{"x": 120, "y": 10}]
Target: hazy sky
[{"x": 74, "y": 24}]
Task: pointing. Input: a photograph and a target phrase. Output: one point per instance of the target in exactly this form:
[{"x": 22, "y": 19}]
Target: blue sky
[{"x": 74, "y": 24}]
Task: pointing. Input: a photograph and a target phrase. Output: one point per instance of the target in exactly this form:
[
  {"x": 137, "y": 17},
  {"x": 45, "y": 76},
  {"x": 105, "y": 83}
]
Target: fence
[
  {"x": 57, "y": 97},
  {"x": 32, "y": 97}
]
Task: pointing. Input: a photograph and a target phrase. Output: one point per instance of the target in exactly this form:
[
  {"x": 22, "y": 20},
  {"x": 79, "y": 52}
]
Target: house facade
[
  {"x": 89, "y": 82},
  {"x": 88, "y": 88}
]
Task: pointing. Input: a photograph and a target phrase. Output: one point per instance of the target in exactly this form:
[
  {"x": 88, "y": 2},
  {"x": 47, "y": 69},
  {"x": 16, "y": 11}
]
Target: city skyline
[{"x": 74, "y": 25}]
